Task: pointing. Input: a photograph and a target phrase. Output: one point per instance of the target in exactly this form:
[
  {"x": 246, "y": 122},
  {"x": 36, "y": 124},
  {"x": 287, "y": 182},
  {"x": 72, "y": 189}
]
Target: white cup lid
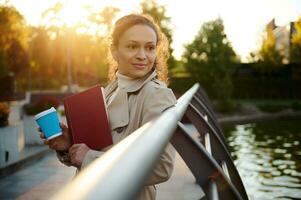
[{"x": 45, "y": 112}]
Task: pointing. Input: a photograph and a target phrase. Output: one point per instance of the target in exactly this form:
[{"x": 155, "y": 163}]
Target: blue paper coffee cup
[{"x": 48, "y": 121}]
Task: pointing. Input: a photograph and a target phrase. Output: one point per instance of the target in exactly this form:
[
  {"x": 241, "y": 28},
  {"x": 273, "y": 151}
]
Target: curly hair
[{"x": 162, "y": 44}]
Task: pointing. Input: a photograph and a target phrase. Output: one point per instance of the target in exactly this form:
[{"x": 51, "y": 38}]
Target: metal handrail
[{"x": 108, "y": 176}]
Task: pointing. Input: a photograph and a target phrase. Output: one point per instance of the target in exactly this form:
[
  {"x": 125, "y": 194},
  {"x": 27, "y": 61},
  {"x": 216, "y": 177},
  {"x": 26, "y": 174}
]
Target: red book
[{"x": 87, "y": 118}]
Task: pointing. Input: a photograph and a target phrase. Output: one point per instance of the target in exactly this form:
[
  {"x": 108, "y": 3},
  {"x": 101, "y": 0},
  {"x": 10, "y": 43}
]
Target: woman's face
[{"x": 136, "y": 51}]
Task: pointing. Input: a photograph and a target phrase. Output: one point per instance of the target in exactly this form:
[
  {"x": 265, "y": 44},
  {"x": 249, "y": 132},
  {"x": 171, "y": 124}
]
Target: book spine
[
  {"x": 104, "y": 100},
  {"x": 68, "y": 120}
]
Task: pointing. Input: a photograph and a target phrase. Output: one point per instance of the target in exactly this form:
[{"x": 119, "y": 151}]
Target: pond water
[{"x": 268, "y": 158}]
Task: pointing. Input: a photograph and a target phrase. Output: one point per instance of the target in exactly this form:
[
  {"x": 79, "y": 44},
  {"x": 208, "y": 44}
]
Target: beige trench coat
[{"x": 130, "y": 109}]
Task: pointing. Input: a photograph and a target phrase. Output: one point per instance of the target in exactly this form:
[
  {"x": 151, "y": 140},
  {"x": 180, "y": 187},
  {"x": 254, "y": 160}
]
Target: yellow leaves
[
  {"x": 53, "y": 10},
  {"x": 12, "y": 27},
  {"x": 296, "y": 36}
]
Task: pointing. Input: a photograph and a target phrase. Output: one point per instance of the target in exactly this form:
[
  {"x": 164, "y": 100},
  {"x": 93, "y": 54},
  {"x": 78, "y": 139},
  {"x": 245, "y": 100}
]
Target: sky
[{"x": 244, "y": 20}]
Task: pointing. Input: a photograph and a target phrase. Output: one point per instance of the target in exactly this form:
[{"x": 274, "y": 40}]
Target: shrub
[
  {"x": 272, "y": 108},
  {"x": 4, "y": 113},
  {"x": 296, "y": 105},
  {"x": 225, "y": 106},
  {"x": 41, "y": 105}
]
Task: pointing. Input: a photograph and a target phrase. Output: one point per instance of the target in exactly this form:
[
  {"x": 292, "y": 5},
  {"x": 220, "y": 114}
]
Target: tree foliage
[
  {"x": 13, "y": 39},
  {"x": 295, "y": 50},
  {"x": 104, "y": 19},
  {"x": 210, "y": 59},
  {"x": 158, "y": 12},
  {"x": 52, "y": 46},
  {"x": 269, "y": 58}
]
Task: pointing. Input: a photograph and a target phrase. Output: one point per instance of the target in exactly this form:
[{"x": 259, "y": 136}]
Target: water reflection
[{"x": 268, "y": 157}]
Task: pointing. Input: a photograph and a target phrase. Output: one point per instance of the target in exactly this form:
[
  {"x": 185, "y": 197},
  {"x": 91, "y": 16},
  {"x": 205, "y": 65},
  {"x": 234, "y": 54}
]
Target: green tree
[
  {"x": 104, "y": 19},
  {"x": 3, "y": 64},
  {"x": 53, "y": 46},
  {"x": 17, "y": 58},
  {"x": 269, "y": 58},
  {"x": 13, "y": 41},
  {"x": 158, "y": 12},
  {"x": 104, "y": 22},
  {"x": 47, "y": 59},
  {"x": 39, "y": 48},
  {"x": 210, "y": 60},
  {"x": 50, "y": 15},
  {"x": 295, "y": 49}
]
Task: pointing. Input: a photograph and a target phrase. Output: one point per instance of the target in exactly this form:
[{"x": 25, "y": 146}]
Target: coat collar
[
  {"x": 137, "y": 84},
  {"x": 118, "y": 109}
]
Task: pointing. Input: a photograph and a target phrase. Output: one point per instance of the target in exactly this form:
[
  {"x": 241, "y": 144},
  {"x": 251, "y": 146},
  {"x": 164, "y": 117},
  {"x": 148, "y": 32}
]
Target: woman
[{"x": 135, "y": 96}]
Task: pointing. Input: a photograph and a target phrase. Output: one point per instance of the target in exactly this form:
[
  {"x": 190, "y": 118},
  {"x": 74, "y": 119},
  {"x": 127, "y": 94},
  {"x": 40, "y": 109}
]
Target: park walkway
[{"x": 45, "y": 177}]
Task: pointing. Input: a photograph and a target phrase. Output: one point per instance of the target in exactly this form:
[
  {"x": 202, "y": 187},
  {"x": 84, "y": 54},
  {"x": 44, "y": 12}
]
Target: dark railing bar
[
  {"x": 201, "y": 94},
  {"x": 223, "y": 163},
  {"x": 204, "y": 106},
  {"x": 212, "y": 120},
  {"x": 207, "y": 143},
  {"x": 210, "y": 128},
  {"x": 219, "y": 152},
  {"x": 225, "y": 169},
  {"x": 202, "y": 165}
]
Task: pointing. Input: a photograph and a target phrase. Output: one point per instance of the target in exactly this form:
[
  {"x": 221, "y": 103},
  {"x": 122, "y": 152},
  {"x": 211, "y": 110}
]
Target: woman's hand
[
  {"x": 77, "y": 153},
  {"x": 60, "y": 143}
]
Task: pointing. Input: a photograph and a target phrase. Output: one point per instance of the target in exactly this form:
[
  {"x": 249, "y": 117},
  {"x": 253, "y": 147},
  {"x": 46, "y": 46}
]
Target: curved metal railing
[{"x": 108, "y": 176}]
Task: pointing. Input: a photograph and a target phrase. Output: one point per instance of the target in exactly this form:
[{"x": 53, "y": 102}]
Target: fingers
[
  {"x": 47, "y": 142},
  {"x": 52, "y": 144},
  {"x": 77, "y": 153},
  {"x": 42, "y": 136},
  {"x": 63, "y": 126},
  {"x": 74, "y": 147},
  {"x": 72, "y": 152},
  {"x": 64, "y": 129}
]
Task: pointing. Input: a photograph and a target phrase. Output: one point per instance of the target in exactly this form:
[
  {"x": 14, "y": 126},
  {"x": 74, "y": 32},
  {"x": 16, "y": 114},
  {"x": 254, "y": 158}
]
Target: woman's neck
[{"x": 124, "y": 81}]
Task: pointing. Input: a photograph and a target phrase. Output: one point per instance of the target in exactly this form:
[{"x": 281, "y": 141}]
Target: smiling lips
[{"x": 139, "y": 65}]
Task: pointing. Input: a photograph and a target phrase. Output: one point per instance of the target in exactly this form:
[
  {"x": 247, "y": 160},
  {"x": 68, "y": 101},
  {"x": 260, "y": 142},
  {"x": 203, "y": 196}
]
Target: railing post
[{"x": 213, "y": 191}]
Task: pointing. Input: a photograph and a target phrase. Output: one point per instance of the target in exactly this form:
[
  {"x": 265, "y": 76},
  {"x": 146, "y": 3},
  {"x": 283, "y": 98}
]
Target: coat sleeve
[
  {"x": 155, "y": 103},
  {"x": 90, "y": 156}
]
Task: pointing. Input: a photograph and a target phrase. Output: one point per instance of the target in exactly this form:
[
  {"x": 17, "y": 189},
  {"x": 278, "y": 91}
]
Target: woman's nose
[{"x": 141, "y": 54}]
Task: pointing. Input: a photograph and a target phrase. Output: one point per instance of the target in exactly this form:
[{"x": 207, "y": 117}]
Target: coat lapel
[
  {"x": 137, "y": 85},
  {"x": 118, "y": 109},
  {"x": 110, "y": 88}
]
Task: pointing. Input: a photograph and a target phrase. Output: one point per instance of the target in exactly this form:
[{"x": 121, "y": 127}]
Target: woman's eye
[
  {"x": 132, "y": 46},
  {"x": 151, "y": 48}
]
